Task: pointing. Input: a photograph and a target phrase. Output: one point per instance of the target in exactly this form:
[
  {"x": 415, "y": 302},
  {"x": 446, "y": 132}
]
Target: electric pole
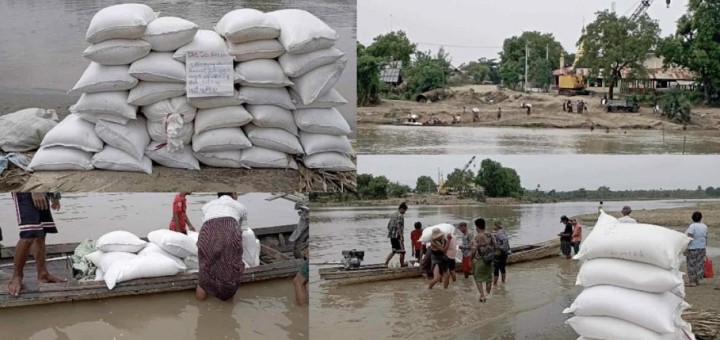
[
  {"x": 526, "y": 67},
  {"x": 547, "y": 51}
]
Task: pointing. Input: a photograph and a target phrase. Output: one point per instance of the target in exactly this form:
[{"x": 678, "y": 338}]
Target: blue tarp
[{"x": 18, "y": 159}]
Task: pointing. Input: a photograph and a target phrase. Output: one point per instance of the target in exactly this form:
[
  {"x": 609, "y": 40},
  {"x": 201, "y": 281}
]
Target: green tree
[
  {"x": 497, "y": 180},
  {"x": 368, "y": 77},
  {"x": 397, "y": 190},
  {"x": 612, "y": 44},
  {"x": 676, "y": 106},
  {"x": 696, "y": 45},
  {"x": 541, "y": 46},
  {"x": 426, "y": 73},
  {"x": 540, "y": 71},
  {"x": 370, "y": 187},
  {"x": 392, "y": 46},
  {"x": 425, "y": 185},
  {"x": 477, "y": 70}
]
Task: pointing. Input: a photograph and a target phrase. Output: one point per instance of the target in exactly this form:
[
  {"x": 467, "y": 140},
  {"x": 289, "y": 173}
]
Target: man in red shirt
[
  {"x": 179, "y": 219},
  {"x": 415, "y": 239}
]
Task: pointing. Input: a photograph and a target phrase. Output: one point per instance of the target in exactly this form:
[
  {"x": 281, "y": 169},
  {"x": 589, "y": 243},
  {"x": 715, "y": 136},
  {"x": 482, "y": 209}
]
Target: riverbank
[{"x": 546, "y": 112}]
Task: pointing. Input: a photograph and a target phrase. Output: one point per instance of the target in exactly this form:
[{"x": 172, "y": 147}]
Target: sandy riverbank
[
  {"x": 416, "y": 200},
  {"x": 546, "y": 112}
]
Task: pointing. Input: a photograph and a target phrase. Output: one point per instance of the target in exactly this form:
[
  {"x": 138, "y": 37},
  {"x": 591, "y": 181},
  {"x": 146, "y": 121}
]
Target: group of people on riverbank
[{"x": 483, "y": 254}]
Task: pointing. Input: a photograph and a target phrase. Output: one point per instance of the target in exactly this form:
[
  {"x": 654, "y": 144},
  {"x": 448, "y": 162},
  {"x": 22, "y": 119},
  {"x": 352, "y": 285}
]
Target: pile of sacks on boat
[
  {"x": 121, "y": 256},
  {"x": 133, "y": 109},
  {"x": 632, "y": 285}
]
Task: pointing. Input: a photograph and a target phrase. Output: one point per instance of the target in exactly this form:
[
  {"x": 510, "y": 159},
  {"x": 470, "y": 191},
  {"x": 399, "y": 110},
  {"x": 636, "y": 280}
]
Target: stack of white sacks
[
  {"x": 122, "y": 256},
  {"x": 286, "y": 105},
  {"x": 633, "y": 288}
]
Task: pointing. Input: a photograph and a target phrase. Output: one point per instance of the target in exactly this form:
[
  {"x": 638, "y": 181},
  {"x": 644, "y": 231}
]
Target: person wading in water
[
  {"x": 395, "y": 228},
  {"x": 483, "y": 254},
  {"x": 438, "y": 257}
]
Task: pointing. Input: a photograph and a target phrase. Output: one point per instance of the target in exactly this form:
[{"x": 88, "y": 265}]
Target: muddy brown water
[
  {"x": 43, "y": 40},
  {"x": 528, "y": 306},
  {"x": 261, "y": 310},
  {"x": 390, "y": 139}
]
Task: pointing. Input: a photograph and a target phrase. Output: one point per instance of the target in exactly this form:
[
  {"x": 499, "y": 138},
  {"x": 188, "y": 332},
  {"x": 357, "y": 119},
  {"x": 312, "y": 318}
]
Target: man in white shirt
[{"x": 626, "y": 216}]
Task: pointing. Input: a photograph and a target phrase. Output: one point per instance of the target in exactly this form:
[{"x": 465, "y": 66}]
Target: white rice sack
[
  {"x": 173, "y": 242},
  {"x": 266, "y": 96},
  {"x": 302, "y": 32},
  {"x": 194, "y": 235},
  {"x": 74, "y": 132},
  {"x": 220, "y": 159},
  {"x": 247, "y": 24},
  {"x": 104, "y": 78},
  {"x": 314, "y": 143},
  {"x": 99, "y": 275},
  {"x": 103, "y": 261},
  {"x": 223, "y": 139},
  {"x": 152, "y": 248},
  {"x": 148, "y": 92},
  {"x": 271, "y": 116},
  {"x": 325, "y": 121},
  {"x": 167, "y": 34},
  {"x": 660, "y": 246},
  {"x": 60, "y": 158},
  {"x": 605, "y": 327},
  {"x": 446, "y": 228},
  {"x": 330, "y": 161},
  {"x": 318, "y": 82},
  {"x": 631, "y": 305},
  {"x": 158, "y": 132},
  {"x": 221, "y": 117},
  {"x": 258, "y": 157},
  {"x": 150, "y": 265},
  {"x": 159, "y": 111},
  {"x": 98, "y": 117},
  {"x": 216, "y": 102},
  {"x": 124, "y": 21},
  {"x": 259, "y": 49},
  {"x": 131, "y": 138},
  {"x": 628, "y": 274},
  {"x": 251, "y": 250},
  {"x": 112, "y": 158},
  {"x": 159, "y": 67},
  {"x": 112, "y": 106},
  {"x": 261, "y": 73},
  {"x": 274, "y": 139},
  {"x": 120, "y": 240},
  {"x": 182, "y": 159},
  {"x": 192, "y": 263},
  {"x": 331, "y": 99},
  {"x": 117, "y": 51},
  {"x": 24, "y": 130},
  {"x": 204, "y": 40},
  {"x": 296, "y": 65}
]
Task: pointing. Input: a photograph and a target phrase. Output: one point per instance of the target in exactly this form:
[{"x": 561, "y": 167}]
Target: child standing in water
[{"x": 415, "y": 239}]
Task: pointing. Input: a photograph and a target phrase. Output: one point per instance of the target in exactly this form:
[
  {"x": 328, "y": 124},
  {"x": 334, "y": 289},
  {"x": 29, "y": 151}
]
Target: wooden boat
[
  {"x": 379, "y": 272},
  {"x": 276, "y": 257}
]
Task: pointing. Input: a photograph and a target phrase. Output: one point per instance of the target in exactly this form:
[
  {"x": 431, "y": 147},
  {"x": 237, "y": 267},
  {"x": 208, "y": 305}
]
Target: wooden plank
[
  {"x": 274, "y": 253},
  {"x": 281, "y": 229}
]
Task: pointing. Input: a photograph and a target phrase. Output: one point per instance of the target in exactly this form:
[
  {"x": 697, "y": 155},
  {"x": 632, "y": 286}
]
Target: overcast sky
[
  {"x": 486, "y": 23},
  {"x": 561, "y": 172}
]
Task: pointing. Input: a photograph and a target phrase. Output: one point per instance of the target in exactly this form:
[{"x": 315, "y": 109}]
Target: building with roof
[{"x": 390, "y": 73}]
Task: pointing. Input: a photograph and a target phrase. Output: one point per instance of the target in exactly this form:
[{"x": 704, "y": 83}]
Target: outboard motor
[{"x": 352, "y": 258}]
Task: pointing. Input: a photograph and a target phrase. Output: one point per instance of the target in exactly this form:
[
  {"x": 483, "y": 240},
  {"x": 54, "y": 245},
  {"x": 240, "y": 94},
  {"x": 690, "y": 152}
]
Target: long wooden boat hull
[
  {"x": 275, "y": 255},
  {"x": 379, "y": 272}
]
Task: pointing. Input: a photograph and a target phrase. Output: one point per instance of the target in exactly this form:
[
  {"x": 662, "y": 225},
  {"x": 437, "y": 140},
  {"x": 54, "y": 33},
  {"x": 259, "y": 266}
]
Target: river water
[
  {"x": 391, "y": 139},
  {"x": 529, "y": 306},
  {"x": 261, "y": 310},
  {"x": 43, "y": 40}
]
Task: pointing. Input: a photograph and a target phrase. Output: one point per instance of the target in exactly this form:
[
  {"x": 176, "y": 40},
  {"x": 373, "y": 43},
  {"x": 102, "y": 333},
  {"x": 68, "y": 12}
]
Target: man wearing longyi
[{"x": 35, "y": 221}]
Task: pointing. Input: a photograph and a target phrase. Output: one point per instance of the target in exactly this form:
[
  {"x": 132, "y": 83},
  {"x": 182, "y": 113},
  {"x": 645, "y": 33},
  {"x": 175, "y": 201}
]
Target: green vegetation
[
  {"x": 676, "y": 106},
  {"x": 543, "y": 50},
  {"x": 498, "y": 180},
  {"x": 425, "y": 185},
  {"x": 371, "y": 187},
  {"x": 612, "y": 44},
  {"x": 368, "y": 78},
  {"x": 606, "y": 194}
]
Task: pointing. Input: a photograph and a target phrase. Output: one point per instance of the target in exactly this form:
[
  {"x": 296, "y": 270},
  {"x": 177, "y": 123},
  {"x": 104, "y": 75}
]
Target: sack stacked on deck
[
  {"x": 122, "y": 256},
  {"x": 629, "y": 270}
]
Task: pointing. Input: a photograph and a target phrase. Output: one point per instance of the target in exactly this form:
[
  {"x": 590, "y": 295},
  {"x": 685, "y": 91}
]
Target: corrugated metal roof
[{"x": 391, "y": 72}]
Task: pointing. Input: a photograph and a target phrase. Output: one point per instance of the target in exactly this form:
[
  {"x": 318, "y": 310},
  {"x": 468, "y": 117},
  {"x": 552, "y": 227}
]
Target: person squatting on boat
[
  {"x": 35, "y": 221},
  {"x": 180, "y": 222},
  {"x": 220, "y": 250}
]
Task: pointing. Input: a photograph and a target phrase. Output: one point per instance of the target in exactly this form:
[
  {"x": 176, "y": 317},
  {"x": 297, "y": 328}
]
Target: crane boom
[{"x": 642, "y": 8}]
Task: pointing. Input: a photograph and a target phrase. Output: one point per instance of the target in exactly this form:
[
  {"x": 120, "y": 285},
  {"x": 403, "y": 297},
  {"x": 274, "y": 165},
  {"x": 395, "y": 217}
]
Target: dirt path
[{"x": 546, "y": 111}]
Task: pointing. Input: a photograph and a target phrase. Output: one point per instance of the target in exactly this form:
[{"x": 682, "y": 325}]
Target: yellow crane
[
  {"x": 574, "y": 82},
  {"x": 442, "y": 189}
]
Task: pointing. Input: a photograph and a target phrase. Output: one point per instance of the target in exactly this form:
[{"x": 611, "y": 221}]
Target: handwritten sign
[{"x": 209, "y": 74}]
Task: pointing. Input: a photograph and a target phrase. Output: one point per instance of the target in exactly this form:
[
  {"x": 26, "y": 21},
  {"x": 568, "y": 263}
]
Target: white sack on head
[{"x": 446, "y": 228}]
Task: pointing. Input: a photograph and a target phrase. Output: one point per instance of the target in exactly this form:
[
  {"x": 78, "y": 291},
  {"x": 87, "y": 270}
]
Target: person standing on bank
[
  {"x": 626, "y": 211},
  {"x": 502, "y": 253},
  {"x": 396, "y": 228},
  {"x": 576, "y": 235},
  {"x": 35, "y": 221},
  {"x": 220, "y": 250},
  {"x": 696, "y": 253},
  {"x": 566, "y": 237}
]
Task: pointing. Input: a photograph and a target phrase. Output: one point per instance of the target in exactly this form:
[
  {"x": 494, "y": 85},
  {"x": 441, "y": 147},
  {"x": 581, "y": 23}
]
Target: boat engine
[{"x": 352, "y": 258}]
